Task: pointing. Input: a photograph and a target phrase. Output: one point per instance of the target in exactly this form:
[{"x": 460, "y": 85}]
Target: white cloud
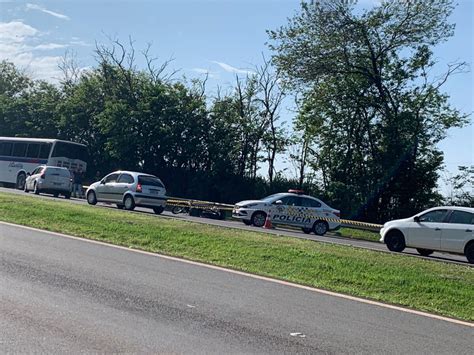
[
  {"x": 16, "y": 31},
  {"x": 210, "y": 74},
  {"x": 49, "y": 46},
  {"x": 78, "y": 42},
  {"x": 230, "y": 69},
  {"x": 46, "y": 11},
  {"x": 16, "y": 40}
]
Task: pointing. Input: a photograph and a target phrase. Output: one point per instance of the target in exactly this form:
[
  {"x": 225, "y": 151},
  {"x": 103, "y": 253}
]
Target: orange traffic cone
[{"x": 268, "y": 222}]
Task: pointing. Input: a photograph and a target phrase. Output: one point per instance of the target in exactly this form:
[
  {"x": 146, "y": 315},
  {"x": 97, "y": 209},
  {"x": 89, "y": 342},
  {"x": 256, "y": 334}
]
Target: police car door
[
  {"x": 293, "y": 210},
  {"x": 311, "y": 210}
]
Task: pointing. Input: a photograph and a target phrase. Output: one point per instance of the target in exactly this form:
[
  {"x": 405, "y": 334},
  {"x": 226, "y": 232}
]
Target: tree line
[{"x": 363, "y": 138}]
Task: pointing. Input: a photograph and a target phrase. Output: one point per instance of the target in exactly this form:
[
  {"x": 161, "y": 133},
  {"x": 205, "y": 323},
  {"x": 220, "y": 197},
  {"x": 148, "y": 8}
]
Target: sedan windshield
[{"x": 272, "y": 198}]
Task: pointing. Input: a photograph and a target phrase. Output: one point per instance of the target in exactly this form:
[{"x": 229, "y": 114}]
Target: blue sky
[{"x": 221, "y": 37}]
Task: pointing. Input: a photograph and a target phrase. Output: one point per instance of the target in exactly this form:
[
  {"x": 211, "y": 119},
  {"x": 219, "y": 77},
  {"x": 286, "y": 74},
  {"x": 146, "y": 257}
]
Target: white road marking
[
  {"x": 298, "y": 334},
  {"x": 258, "y": 277}
]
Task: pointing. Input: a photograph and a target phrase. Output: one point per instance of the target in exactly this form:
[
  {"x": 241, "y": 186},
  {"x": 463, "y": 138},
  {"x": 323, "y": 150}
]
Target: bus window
[
  {"x": 69, "y": 150},
  {"x": 6, "y": 149},
  {"x": 19, "y": 150},
  {"x": 45, "y": 150},
  {"x": 33, "y": 150}
]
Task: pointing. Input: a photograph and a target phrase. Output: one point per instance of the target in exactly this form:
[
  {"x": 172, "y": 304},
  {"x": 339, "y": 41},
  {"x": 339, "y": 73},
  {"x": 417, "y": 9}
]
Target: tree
[
  {"x": 461, "y": 187},
  {"x": 378, "y": 113}
]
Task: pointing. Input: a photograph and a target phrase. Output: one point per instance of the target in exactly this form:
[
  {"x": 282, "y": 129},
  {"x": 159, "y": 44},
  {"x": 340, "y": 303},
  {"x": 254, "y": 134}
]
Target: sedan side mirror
[
  {"x": 278, "y": 202},
  {"x": 416, "y": 219},
  {"x": 102, "y": 182},
  {"x": 28, "y": 174}
]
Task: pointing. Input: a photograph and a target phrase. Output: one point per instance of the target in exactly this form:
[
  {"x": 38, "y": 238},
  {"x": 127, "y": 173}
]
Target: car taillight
[{"x": 139, "y": 187}]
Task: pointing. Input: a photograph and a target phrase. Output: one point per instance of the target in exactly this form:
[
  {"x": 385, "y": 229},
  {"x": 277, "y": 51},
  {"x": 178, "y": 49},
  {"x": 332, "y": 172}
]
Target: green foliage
[{"x": 369, "y": 102}]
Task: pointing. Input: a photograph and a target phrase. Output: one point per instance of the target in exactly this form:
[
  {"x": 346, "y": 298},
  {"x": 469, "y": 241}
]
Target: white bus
[{"x": 19, "y": 156}]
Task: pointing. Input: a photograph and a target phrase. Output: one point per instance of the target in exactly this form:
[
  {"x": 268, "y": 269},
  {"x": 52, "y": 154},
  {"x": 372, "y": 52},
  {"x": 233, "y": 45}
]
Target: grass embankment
[
  {"x": 422, "y": 284},
  {"x": 360, "y": 234}
]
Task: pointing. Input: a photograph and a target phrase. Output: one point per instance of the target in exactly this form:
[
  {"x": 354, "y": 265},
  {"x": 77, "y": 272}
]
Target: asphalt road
[
  {"x": 66, "y": 295},
  {"x": 329, "y": 237}
]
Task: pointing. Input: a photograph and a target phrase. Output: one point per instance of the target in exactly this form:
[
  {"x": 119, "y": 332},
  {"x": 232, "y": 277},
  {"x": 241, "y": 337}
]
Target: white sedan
[
  {"x": 289, "y": 208},
  {"x": 446, "y": 229}
]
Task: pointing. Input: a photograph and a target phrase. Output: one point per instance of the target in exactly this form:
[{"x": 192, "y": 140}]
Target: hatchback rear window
[{"x": 149, "y": 181}]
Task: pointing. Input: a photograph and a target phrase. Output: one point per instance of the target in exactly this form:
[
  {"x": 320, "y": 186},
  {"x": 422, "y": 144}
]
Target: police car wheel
[
  {"x": 306, "y": 230},
  {"x": 320, "y": 227},
  {"x": 258, "y": 219}
]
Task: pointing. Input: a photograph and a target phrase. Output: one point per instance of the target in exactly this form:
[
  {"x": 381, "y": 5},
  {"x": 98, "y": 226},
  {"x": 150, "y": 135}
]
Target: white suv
[
  {"x": 289, "y": 208},
  {"x": 447, "y": 229},
  {"x": 49, "y": 179}
]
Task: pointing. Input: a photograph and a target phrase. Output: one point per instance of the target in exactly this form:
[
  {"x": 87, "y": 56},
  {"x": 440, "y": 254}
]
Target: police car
[{"x": 289, "y": 208}]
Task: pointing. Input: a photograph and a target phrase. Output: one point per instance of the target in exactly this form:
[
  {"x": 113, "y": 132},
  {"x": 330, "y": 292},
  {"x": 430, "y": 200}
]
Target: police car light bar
[{"x": 299, "y": 192}]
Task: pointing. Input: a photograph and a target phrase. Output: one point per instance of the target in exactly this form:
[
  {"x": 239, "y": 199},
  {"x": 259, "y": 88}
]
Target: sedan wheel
[
  {"x": 258, "y": 219},
  {"x": 320, "y": 227},
  {"x": 469, "y": 252},
  {"x": 424, "y": 252},
  {"x": 395, "y": 241}
]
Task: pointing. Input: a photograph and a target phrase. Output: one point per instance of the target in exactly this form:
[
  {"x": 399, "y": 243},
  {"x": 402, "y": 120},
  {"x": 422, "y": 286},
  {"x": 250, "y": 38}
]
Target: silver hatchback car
[{"x": 129, "y": 189}]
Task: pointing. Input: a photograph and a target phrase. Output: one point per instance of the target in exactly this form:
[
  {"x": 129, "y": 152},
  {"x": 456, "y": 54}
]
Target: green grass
[
  {"x": 426, "y": 285},
  {"x": 361, "y": 234}
]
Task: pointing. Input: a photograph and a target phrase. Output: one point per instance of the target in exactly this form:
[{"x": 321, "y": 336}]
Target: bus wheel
[{"x": 20, "y": 181}]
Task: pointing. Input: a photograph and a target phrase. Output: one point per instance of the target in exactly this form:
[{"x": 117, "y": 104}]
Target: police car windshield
[{"x": 272, "y": 198}]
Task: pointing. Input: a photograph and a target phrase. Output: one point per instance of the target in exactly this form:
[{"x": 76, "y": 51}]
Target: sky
[{"x": 219, "y": 37}]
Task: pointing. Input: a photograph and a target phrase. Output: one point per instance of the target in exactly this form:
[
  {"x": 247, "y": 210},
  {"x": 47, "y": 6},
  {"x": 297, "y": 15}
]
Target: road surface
[
  {"x": 329, "y": 237},
  {"x": 59, "y": 294}
]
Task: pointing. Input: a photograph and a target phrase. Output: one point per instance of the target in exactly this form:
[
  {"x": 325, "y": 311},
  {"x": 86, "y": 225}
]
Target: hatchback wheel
[
  {"x": 320, "y": 227},
  {"x": 129, "y": 203},
  {"x": 395, "y": 241},
  {"x": 91, "y": 198},
  {"x": 158, "y": 210},
  {"x": 258, "y": 219},
  {"x": 424, "y": 252}
]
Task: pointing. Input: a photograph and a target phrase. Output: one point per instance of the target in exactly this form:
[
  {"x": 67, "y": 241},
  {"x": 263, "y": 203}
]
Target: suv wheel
[
  {"x": 395, "y": 241},
  {"x": 36, "y": 189},
  {"x": 320, "y": 227},
  {"x": 20, "y": 181},
  {"x": 258, "y": 219}
]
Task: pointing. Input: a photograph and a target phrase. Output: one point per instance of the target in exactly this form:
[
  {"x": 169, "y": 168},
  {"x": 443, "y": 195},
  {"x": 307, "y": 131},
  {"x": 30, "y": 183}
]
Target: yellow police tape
[{"x": 182, "y": 202}]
